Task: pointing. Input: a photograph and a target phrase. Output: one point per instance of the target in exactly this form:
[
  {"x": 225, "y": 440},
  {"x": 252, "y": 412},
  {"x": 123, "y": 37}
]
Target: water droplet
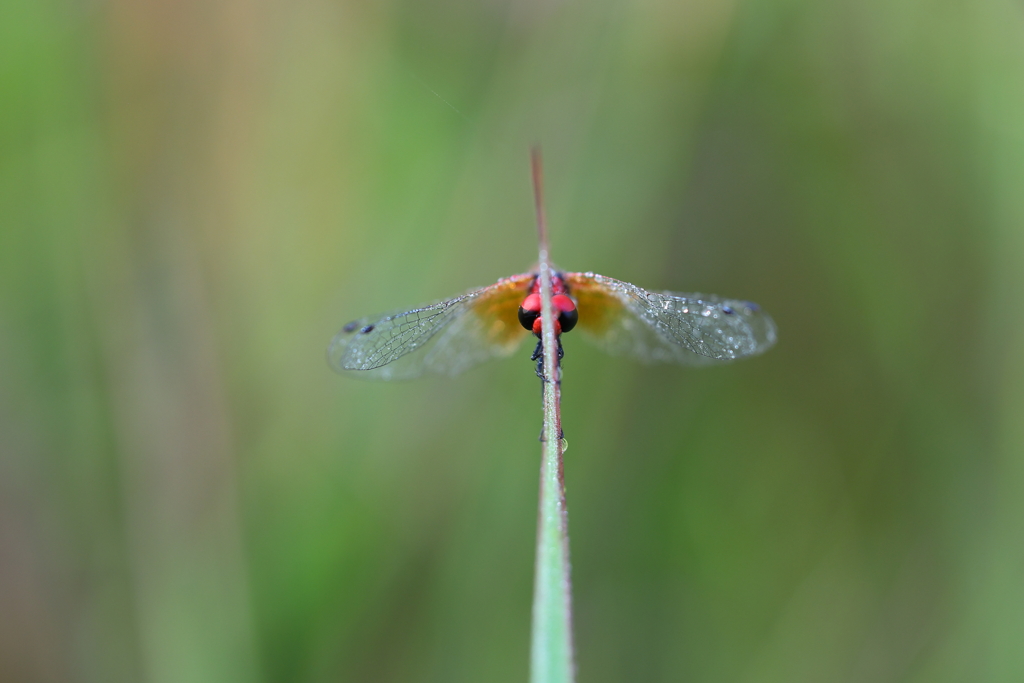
[{"x": 564, "y": 443}]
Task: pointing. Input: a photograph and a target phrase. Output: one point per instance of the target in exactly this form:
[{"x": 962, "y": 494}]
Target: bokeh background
[{"x": 194, "y": 196}]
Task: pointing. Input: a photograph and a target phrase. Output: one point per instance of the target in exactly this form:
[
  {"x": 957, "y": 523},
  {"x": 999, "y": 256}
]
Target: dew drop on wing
[
  {"x": 752, "y": 307},
  {"x": 351, "y": 327},
  {"x": 366, "y": 330}
]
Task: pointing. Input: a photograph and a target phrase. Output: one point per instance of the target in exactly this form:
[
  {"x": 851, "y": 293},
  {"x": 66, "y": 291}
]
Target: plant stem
[{"x": 551, "y": 656}]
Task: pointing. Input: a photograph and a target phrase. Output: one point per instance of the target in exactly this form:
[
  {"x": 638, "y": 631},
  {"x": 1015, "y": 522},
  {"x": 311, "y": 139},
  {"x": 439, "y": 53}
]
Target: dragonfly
[{"x": 450, "y": 336}]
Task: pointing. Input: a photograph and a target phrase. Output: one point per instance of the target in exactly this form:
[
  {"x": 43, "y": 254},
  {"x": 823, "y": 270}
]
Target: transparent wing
[
  {"x": 440, "y": 338},
  {"x": 688, "y": 329}
]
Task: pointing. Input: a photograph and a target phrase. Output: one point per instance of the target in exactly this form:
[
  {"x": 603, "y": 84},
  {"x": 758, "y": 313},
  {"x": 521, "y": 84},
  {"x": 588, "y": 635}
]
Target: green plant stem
[{"x": 551, "y": 657}]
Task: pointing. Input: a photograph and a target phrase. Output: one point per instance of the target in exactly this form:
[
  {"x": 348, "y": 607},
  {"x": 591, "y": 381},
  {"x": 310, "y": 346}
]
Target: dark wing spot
[
  {"x": 366, "y": 330},
  {"x": 727, "y": 310},
  {"x": 351, "y": 327}
]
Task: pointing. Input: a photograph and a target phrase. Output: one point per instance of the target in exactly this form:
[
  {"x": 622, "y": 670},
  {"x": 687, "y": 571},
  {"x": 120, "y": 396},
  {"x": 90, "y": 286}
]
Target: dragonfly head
[{"x": 565, "y": 307}]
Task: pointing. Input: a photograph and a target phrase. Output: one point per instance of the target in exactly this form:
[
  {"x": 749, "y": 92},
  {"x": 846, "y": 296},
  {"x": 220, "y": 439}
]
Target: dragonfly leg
[{"x": 538, "y": 355}]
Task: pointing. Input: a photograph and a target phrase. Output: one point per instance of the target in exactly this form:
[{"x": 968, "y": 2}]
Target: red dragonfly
[{"x": 449, "y": 336}]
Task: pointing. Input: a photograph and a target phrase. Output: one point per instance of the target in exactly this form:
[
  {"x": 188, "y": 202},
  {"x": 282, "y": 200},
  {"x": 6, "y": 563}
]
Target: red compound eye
[
  {"x": 529, "y": 311},
  {"x": 568, "y": 316}
]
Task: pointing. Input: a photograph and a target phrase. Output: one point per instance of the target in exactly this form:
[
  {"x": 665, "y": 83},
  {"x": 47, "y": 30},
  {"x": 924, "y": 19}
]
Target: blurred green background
[{"x": 195, "y": 195}]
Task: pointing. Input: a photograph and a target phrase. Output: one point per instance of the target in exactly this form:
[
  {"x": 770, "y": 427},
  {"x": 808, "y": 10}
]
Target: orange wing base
[
  {"x": 498, "y": 309},
  {"x": 598, "y": 307}
]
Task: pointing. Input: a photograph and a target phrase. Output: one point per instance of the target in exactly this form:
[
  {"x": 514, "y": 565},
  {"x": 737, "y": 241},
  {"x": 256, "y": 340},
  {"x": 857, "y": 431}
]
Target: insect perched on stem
[{"x": 449, "y": 336}]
